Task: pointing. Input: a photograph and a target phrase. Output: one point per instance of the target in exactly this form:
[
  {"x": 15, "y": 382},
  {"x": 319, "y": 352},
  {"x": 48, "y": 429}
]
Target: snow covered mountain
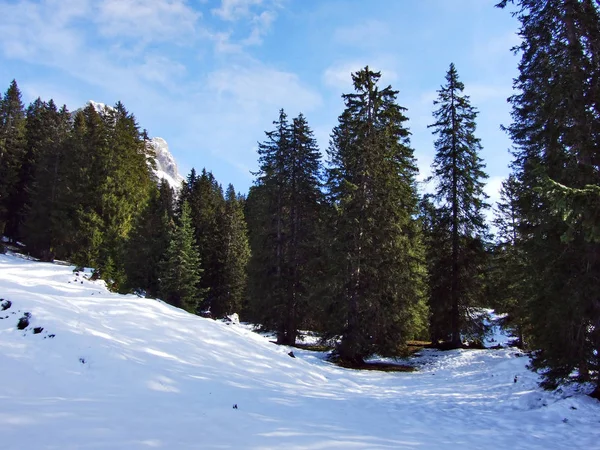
[
  {"x": 85, "y": 368},
  {"x": 166, "y": 167}
]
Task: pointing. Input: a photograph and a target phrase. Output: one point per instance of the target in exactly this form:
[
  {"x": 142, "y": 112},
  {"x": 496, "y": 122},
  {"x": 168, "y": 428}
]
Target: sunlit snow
[{"x": 122, "y": 372}]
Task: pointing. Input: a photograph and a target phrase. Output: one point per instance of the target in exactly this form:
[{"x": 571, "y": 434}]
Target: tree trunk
[{"x": 455, "y": 314}]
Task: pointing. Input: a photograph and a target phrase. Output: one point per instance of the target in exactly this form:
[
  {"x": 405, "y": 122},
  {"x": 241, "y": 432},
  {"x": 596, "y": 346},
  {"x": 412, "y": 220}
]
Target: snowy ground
[{"x": 123, "y": 372}]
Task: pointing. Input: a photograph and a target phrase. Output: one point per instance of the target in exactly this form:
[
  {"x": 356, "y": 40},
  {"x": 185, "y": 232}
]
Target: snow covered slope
[{"x": 120, "y": 372}]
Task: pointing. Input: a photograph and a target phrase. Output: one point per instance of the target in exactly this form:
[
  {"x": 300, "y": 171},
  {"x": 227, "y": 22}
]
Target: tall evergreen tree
[
  {"x": 377, "y": 247},
  {"x": 458, "y": 171},
  {"x": 114, "y": 184},
  {"x": 207, "y": 206},
  {"x": 12, "y": 148},
  {"x": 285, "y": 216},
  {"x": 236, "y": 253},
  {"x": 180, "y": 272},
  {"x": 36, "y": 128},
  {"x": 148, "y": 241},
  {"x": 556, "y": 132},
  {"x": 266, "y": 222},
  {"x": 510, "y": 274},
  {"x": 44, "y": 200}
]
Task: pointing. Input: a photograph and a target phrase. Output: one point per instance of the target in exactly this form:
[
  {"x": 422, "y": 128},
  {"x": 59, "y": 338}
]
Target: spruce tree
[
  {"x": 556, "y": 132},
  {"x": 285, "y": 218},
  {"x": 45, "y": 206},
  {"x": 267, "y": 234},
  {"x": 207, "y": 205},
  {"x": 148, "y": 241},
  {"x": 180, "y": 272},
  {"x": 510, "y": 276},
  {"x": 12, "y": 149},
  {"x": 458, "y": 172},
  {"x": 36, "y": 129},
  {"x": 376, "y": 243},
  {"x": 236, "y": 252}
]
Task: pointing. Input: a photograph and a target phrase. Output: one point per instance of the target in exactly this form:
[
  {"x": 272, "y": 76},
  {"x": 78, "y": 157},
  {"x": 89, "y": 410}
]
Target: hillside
[{"x": 122, "y": 372}]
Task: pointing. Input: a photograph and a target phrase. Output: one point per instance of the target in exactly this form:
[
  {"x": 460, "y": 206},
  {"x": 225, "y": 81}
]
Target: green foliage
[
  {"x": 149, "y": 240},
  {"x": 556, "y": 131},
  {"x": 376, "y": 246},
  {"x": 236, "y": 252},
  {"x": 207, "y": 208},
  {"x": 180, "y": 271},
  {"x": 41, "y": 209},
  {"x": 457, "y": 226},
  {"x": 509, "y": 274},
  {"x": 284, "y": 218},
  {"x": 12, "y": 148}
]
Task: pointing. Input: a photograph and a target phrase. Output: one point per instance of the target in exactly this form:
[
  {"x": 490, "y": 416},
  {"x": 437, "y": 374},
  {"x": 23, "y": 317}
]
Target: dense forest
[{"x": 346, "y": 245}]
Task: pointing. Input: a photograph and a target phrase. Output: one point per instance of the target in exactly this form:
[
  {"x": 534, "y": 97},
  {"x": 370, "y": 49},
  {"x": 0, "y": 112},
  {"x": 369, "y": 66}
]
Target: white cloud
[
  {"x": 150, "y": 20},
  {"x": 338, "y": 76},
  {"x": 232, "y": 10},
  {"x": 256, "y": 15},
  {"x": 259, "y": 86}
]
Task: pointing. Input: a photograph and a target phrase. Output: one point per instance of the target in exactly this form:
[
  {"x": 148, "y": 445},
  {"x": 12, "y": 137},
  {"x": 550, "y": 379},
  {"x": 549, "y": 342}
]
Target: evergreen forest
[{"x": 340, "y": 240}]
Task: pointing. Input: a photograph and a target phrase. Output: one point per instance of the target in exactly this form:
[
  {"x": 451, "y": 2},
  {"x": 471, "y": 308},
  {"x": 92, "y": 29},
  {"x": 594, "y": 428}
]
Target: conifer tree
[
  {"x": 267, "y": 235},
  {"x": 377, "y": 248},
  {"x": 236, "y": 252},
  {"x": 44, "y": 204},
  {"x": 509, "y": 267},
  {"x": 207, "y": 205},
  {"x": 458, "y": 171},
  {"x": 36, "y": 129},
  {"x": 556, "y": 132},
  {"x": 149, "y": 240},
  {"x": 285, "y": 216},
  {"x": 12, "y": 148},
  {"x": 114, "y": 184},
  {"x": 180, "y": 272}
]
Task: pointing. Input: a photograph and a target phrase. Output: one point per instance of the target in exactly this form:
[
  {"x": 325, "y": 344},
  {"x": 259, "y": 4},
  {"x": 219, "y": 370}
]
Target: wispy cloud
[
  {"x": 149, "y": 20},
  {"x": 339, "y": 75},
  {"x": 235, "y": 9},
  {"x": 257, "y": 16}
]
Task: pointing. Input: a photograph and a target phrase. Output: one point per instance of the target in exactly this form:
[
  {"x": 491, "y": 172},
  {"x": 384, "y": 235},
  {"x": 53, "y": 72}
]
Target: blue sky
[{"x": 209, "y": 76}]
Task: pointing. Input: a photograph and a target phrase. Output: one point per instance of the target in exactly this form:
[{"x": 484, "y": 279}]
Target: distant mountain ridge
[{"x": 166, "y": 166}]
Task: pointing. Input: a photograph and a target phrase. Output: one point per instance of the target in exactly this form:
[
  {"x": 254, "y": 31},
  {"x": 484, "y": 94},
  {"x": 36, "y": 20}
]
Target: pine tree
[
  {"x": 458, "y": 171},
  {"x": 44, "y": 205},
  {"x": 510, "y": 274},
  {"x": 236, "y": 253},
  {"x": 287, "y": 204},
  {"x": 556, "y": 132},
  {"x": 113, "y": 186},
  {"x": 207, "y": 206},
  {"x": 148, "y": 241},
  {"x": 377, "y": 248},
  {"x": 36, "y": 128},
  {"x": 267, "y": 235},
  {"x": 12, "y": 148},
  {"x": 86, "y": 153},
  {"x": 123, "y": 193},
  {"x": 181, "y": 270}
]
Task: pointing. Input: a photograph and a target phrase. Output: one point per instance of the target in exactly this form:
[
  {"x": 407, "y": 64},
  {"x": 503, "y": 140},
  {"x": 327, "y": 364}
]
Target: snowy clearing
[{"x": 121, "y": 372}]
